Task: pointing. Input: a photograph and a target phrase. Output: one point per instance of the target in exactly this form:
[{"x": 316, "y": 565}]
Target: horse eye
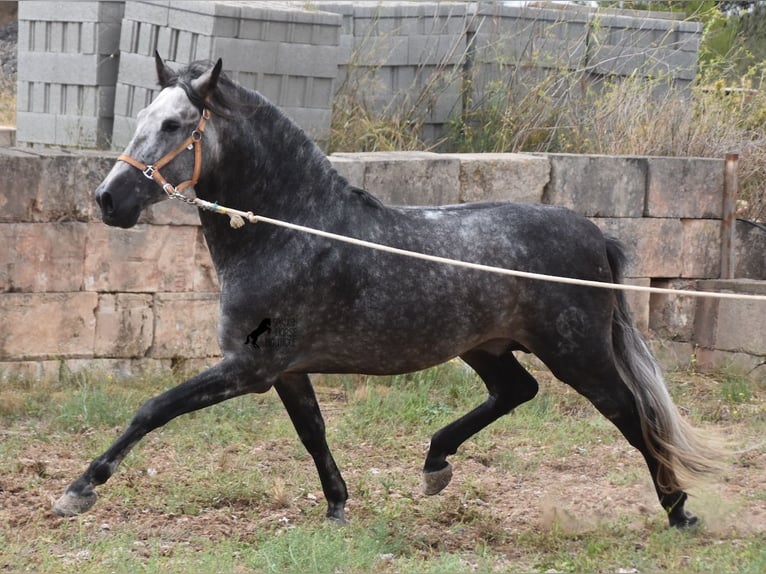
[{"x": 170, "y": 126}]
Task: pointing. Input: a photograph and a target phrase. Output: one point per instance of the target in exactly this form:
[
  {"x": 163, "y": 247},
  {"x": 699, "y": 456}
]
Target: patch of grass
[{"x": 231, "y": 488}]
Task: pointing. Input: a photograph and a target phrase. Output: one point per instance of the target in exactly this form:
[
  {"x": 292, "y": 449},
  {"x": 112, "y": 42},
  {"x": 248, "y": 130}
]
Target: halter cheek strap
[{"x": 152, "y": 171}]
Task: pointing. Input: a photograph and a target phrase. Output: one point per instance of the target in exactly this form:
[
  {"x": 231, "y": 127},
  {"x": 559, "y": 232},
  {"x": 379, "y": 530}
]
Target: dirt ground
[{"x": 571, "y": 493}]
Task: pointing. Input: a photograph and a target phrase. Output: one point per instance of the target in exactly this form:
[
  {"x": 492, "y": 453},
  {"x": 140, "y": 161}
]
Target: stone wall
[{"x": 74, "y": 292}]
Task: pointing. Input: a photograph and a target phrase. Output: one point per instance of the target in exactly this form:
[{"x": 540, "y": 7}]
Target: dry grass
[
  {"x": 7, "y": 101},
  {"x": 567, "y": 110}
]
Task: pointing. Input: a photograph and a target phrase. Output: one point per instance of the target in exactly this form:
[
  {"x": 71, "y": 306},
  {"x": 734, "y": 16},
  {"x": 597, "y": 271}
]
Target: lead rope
[{"x": 237, "y": 219}]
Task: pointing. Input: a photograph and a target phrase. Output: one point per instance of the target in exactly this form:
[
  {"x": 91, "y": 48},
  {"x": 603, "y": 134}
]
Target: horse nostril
[{"x": 104, "y": 201}]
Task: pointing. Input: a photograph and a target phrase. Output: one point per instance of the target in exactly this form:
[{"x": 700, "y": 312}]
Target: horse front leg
[
  {"x": 509, "y": 385},
  {"x": 300, "y": 401},
  {"x": 227, "y": 379}
]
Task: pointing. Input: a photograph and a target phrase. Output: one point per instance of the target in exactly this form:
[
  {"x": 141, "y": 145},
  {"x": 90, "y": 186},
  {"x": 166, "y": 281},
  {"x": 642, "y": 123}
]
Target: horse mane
[{"x": 232, "y": 101}]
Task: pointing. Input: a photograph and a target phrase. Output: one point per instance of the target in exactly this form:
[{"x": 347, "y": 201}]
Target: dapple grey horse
[{"x": 339, "y": 301}]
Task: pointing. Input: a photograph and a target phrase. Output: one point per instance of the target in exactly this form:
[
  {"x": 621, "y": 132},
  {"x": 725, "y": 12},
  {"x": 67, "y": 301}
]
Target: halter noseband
[{"x": 152, "y": 171}]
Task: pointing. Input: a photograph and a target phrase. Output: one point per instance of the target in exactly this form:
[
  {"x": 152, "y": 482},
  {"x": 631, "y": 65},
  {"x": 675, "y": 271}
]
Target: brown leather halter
[{"x": 152, "y": 171}]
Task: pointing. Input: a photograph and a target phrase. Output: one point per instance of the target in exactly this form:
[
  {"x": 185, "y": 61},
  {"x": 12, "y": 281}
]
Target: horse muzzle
[{"x": 118, "y": 210}]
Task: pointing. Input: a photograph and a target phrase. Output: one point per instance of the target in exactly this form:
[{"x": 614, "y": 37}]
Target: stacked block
[
  {"x": 67, "y": 72},
  {"x": 404, "y": 56},
  {"x": 529, "y": 40},
  {"x": 287, "y": 53}
]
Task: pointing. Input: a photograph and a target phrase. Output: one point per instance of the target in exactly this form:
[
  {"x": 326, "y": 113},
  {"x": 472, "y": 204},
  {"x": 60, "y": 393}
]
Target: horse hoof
[
  {"x": 72, "y": 504},
  {"x": 684, "y": 521},
  {"x": 434, "y": 482}
]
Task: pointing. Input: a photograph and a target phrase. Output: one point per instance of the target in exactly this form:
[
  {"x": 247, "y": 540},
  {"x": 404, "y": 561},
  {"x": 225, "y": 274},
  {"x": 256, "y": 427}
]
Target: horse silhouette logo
[{"x": 263, "y": 327}]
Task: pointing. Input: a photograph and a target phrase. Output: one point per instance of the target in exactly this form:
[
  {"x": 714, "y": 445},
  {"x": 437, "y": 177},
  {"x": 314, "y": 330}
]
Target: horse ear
[
  {"x": 207, "y": 82},
  {"x": 165, "y": 75}
]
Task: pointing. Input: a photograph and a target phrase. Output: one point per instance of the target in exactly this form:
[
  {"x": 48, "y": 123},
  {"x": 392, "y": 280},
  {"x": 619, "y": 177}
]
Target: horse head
[{"x": 166, "y": 151}]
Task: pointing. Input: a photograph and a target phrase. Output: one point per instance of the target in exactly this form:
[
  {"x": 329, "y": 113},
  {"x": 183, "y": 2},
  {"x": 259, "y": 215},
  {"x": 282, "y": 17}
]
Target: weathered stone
[
  {"x": 701, "y": 255},
  {"x": 205, "y": 278},
  {"x": 727, "y": 324},
  {"x": 654, "y": 245},
  {"x": 50, "y": 186},
  {"x": 44, "y": 371},
  {"x": 185, "y": 325},
  {"x": 750, "y": 250},
  {"x": 597, "y": 186},
  {"x": 350, "y": 167},
  {"x": 124, "y": 325},
  {"x": 40, "y": 257},
  {"x": 47, "y": 325},
  {"x": 412, "y": 178},
  {"x": 171, "y": 212},
  {"x": 672, "y": 316},
  {"x": 673, "y": 355},
  {"x": 684, "y": 187},
  {"x": 145, "y": 258},
  {"x": 638, "y": 301},
  {"x": 512, "y": 177}
]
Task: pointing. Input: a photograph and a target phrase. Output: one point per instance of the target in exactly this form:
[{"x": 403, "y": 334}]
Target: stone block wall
[{"x": 75, "y": 293}]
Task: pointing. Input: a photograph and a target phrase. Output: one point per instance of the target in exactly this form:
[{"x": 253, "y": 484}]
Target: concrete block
[
  {"x": 701, "y": 255},
  {"x": 375, "y": 51},
  {"x": 671, "y": 317},
  {"x": 156, "y": 12},
  {"x": 307, "y": 60},
  {"x": 655, "y": 246},
  {"x": 502, "y": 177},
  {"x": 144, "y": 259},
  {"x": 124, "y": 325},
  {"x": 597, "y": 186},
  {"x": 47, "y": 325},
  {"x": 684, "y": 187},
  {"x": 185, "y": 325},
  {"x": 315, "y": 122},
  {"x": 41, "y": 257},
  {"x": 412, "y": 178},
  {"x": 87, "y": 11},
  {"x": 60, "y": 68},
  {"x": 35, "y": 128},
  {"x": 208, "y": 18},
  {"x": 82, "y": 131},
  {"x": 247, "y": 55}
]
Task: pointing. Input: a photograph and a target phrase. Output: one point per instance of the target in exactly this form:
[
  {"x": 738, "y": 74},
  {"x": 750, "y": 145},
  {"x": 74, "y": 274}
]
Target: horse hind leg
[
  {"x": 509, "y": 385},
  {"x": 641, "y": 409}
]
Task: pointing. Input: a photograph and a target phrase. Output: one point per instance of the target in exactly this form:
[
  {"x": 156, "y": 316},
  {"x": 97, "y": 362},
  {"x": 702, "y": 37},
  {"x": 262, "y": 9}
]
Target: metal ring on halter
[
  {"x": 196, "y": 135},
  {"x": 149, "y": 172},
  {"x": 169, "y": 189}
]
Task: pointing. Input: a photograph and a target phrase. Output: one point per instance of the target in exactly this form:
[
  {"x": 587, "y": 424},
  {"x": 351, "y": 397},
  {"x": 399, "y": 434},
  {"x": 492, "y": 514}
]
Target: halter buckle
[{"x": 149, "y": 172}]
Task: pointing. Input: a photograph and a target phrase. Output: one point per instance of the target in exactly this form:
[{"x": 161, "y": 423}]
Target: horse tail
[{"x": 684, "y": 454}]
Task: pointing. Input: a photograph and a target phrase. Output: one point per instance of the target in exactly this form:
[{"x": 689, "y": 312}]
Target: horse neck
[{"x": 267, "y": 165}]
